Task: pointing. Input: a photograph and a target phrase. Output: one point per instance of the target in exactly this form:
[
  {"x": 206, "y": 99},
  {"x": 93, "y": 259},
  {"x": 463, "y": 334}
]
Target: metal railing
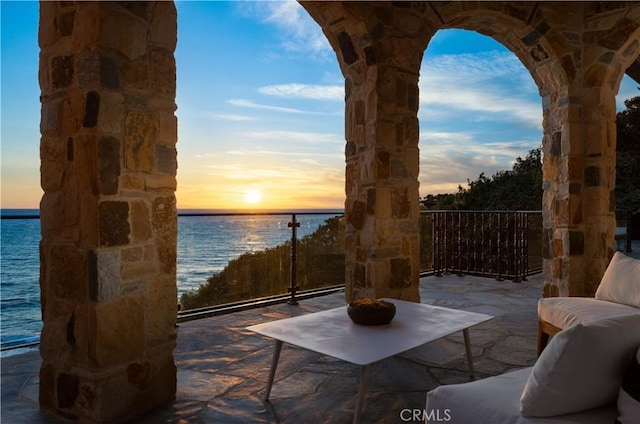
[
  {"x": 307, "y": 264},
  {"x": 300, "y": 263},
  {"x": 499, "y": 244},
  {"x": 488, "y": 243}
]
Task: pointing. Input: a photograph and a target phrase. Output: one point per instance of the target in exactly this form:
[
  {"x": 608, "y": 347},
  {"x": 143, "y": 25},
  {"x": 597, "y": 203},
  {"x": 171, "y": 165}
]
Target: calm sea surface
[{"x": 205, "y": 246}]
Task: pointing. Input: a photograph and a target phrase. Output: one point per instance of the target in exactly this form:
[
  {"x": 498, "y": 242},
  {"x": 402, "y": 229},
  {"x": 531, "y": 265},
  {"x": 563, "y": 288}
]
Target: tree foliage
[
  {"x": 517, "y": 189},
  {"x": 521, "y": 187},
  {"x": 628, "y": 157},
  {"x": 628, "y": 127}
]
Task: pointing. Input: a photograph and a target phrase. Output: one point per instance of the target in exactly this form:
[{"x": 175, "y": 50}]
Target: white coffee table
[{"x": 332, "y": 333}]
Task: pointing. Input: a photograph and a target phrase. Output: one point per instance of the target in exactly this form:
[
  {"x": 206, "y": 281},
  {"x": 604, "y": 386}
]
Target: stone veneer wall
[
  {"x": 576, "y": 52},
  {"x": 592, "y": 49},
  {"x": 108, "y": 213},
  {"x": 381, "y": 70}
]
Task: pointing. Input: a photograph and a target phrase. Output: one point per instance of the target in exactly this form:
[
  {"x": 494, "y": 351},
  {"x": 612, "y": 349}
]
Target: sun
[{"x": 253, "y": 196}]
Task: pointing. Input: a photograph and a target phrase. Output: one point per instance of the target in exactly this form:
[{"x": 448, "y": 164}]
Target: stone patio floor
[{"x": 222, "y": 367}]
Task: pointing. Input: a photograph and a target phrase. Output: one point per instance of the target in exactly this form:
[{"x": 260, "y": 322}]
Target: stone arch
[
  {"x": 521, "y": 37},
  {"x": 560, "y": 45},
  {"x": 618, "y": 49},
  {"x": 523, "y": 29}
]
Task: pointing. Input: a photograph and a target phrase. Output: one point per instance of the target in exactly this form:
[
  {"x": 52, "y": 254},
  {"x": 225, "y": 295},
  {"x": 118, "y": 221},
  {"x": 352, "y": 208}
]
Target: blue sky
[{"x": 261, "y": 108}]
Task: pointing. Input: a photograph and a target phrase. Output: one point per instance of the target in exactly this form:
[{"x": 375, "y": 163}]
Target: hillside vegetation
[{"x": 320, "y": 262}]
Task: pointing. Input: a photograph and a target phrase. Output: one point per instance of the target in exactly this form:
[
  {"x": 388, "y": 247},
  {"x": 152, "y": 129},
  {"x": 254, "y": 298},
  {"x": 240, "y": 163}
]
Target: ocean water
[
  {"x": 19, "y": 274},
  {"x": 205, "y": 246}
]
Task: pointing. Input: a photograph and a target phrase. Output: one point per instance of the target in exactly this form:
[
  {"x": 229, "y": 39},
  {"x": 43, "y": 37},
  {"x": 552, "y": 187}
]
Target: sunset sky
[{"x": 261, "y": 108}]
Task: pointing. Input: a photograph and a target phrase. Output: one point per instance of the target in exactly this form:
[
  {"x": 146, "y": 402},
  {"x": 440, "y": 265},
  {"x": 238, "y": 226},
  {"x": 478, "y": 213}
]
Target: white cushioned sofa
[
  {"x": 581, "y": 375},
  {"x": 577, "y": 379},
  {"x": 618, "y": 294}
]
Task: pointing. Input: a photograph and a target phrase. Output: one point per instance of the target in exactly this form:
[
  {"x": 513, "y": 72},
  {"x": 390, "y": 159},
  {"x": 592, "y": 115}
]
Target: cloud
[
  {"x": 297, "y": 137},
  {"x": 478, "y": 111},
  {"x": 277, "y": 153},
  {"x": 312, "y": 162},
  {"x": 279, "y": 176},
  {"x": 450, "y": 159},
  {"x": 231, "y": 117},
  {"x": 487, "y": 86},
  {"x": 305, "y": 91},
  {"x": 464, "y": 145},
  {"x": 299, "y": 32},
  {"x": 253, "y": 105}
]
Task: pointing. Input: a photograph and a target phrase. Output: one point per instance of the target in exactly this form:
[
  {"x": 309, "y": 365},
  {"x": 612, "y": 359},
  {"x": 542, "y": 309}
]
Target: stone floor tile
[
  {"x": 333, "y": 366},
  {"x": 223, "y": 367},
  {"x": 14, "y": 412},
  {"x": 238, "y": 410},
  {"x": 300, "y": 383},
  {"x": 204, "y": 361},
  {"x": 180, "y": 411},
  {"x": 517, "y": 351},
  {"x": 31, "y": 389},
  {"x": 399, "y": 374},
  {"x": 442, "y": 353},
  {"x": 202, "y": 386}
]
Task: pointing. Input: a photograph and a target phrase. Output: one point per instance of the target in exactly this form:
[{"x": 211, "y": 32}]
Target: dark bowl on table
[{"x": 371, "y": 311}]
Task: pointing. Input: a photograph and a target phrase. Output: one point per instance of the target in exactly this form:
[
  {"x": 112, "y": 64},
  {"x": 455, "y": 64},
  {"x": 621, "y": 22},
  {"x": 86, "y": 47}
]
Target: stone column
[
  {"x": 578, "y": 204},
  {"x": 382, "y": 200},
  {"x": 579, "y": 149},
  {"x": 379, "y": 47},
  {"x": 108, "y": 213}
]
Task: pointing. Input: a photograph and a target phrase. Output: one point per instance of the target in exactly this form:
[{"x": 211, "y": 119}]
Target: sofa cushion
[
  {"x": 582, "y": 367},
  {"x": 564, "y": 312},
  {"x": 496, "y": 400},
  {"x": 629, "y": 396},
  {"x": 621, "y": 281}
]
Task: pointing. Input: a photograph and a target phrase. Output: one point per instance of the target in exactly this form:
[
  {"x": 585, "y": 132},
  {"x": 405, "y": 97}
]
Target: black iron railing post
[
  {"x": 483, "y": 265},
  {"x": 525, "y": 246},
  {"x": 499, "y": 246},
  {"x": 459, "y": 242},
  {"x": 293, "y": 288},
  {"x": 493, "y": 231},
  {"x": 437, "y": 243},
  {"x": 450, "y": 242}
]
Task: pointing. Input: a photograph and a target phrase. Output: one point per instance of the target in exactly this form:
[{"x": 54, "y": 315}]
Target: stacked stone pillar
[
  {"x": 382, "y": 204},
  {"x": 578, "y": 204},
  {"x": 108, "y": 213},
  {"x": 579, "y": 147}
]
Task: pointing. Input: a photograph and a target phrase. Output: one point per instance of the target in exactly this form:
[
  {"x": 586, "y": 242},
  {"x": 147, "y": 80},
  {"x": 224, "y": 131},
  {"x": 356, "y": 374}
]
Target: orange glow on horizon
[{"x": 238, "y": 197}]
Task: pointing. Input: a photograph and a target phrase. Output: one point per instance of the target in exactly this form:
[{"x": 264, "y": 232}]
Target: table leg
[
  {"x": 364, "y": 375},
  {"x": 274, "y": 364},
  {"x": 467, "y": 348}
]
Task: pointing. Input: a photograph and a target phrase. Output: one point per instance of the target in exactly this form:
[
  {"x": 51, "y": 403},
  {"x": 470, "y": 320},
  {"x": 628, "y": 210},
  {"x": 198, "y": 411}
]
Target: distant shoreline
[{"x": 35, "y": 213}]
